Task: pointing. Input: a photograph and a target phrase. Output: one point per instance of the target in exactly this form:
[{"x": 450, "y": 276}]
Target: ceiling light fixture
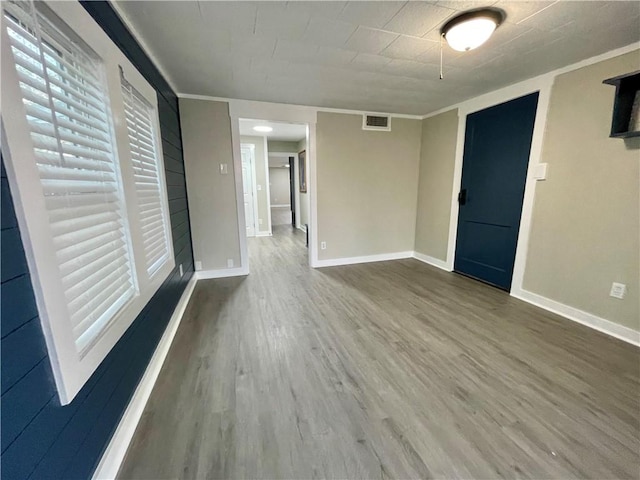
[
  {"x": 263, "y": 129},
  {"x": 471, "y": 29}
]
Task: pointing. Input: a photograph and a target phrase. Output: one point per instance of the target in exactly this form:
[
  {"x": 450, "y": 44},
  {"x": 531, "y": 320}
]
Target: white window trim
[{"x": 71, "y": 370}]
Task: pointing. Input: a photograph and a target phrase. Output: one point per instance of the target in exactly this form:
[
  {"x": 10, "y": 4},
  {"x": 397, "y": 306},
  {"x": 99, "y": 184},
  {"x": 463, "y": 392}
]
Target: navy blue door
[{"x": 494, "y": 170}]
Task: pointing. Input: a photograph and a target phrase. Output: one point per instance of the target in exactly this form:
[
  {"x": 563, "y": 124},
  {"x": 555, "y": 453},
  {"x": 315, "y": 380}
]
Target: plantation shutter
[
  {"x": 144, "y": 158},
  {"x": 64, "y": 95}
]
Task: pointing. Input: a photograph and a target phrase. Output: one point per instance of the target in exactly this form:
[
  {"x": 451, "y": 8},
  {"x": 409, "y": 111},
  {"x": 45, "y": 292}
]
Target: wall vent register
[{"x": 376, "y": 122}]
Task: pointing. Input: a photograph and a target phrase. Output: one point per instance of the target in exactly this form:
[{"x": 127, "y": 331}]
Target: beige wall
[
  {"x": 435, "y": 185},
  {"x": 304, "y": 197},
  {"x": 279, "y": 186},
  {"x": 585, "y": 228},
  {"x": 367, "y": 186},
  {"x": 206, "y": 137},
  {"x": 262, "y": 180}
]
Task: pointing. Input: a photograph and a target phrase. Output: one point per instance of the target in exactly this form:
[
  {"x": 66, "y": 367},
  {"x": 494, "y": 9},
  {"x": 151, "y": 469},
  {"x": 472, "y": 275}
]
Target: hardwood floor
[{"x": 383, "y": 370}]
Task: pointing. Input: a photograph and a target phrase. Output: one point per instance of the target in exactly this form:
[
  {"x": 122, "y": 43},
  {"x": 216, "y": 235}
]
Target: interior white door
[{"x": 247, "y": 186}]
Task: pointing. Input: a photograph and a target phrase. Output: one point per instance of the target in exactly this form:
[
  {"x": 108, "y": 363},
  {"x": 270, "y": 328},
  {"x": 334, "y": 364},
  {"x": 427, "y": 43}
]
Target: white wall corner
[
  {"x": 436, "y": 262},
  {"x": 616, "y": 330},
  {"x": 117, "y": 448}
]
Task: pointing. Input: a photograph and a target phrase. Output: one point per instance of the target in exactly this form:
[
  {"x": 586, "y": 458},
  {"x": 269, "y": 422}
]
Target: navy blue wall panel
[{"x": 40, "y": 438}]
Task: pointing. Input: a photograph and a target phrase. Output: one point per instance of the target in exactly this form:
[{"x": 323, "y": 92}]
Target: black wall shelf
[{"x": 626, "y": 106}]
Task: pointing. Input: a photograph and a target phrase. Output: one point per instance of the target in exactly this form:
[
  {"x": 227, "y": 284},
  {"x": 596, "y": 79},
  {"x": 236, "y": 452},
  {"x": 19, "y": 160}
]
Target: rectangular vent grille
[{"x": 376, "y": 122}]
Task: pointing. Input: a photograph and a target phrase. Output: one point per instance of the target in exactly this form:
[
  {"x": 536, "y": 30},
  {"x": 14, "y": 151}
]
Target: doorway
[
  {"x": 279, "y": 172},
  {"x": 495, "y": 160}
]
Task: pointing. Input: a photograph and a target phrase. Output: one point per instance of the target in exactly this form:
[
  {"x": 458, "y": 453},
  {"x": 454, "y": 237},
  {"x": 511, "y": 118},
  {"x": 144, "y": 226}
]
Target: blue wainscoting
[{"x": 40, "y": 438}]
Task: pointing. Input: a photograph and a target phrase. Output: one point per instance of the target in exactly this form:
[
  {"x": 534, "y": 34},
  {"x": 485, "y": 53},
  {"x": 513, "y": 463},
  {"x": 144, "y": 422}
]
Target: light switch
[
  {"x": 540, "y": 171},
  {"x": 618, "y": 290},
  {"x": 224, "y": 169}
]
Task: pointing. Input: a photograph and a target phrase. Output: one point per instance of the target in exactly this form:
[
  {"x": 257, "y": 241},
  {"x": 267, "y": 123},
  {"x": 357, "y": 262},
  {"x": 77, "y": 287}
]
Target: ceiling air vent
[{"x": 376, "y": 122}]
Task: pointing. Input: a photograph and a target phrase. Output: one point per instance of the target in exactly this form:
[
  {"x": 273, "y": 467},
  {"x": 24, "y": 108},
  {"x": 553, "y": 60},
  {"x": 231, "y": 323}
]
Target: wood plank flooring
[{"x": 383, "y": 370}]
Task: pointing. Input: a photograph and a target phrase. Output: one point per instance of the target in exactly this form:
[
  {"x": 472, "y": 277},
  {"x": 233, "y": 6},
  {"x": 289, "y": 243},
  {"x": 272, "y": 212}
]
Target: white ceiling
[
  {"x": 286, "y": 132},
  {"x": 373, "y": 56}
]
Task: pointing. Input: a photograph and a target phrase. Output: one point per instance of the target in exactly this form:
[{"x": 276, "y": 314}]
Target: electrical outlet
[
  {"x": 259, "y": 187},
  {"x": 229, "y": 262},
  {"x": 181, "y": 270},
  {"x": 618, "y": 290},
  {"x": 198, "y": 265},
  {"x": 224, "y": 169},
  {"x": 323, "y": 245}
]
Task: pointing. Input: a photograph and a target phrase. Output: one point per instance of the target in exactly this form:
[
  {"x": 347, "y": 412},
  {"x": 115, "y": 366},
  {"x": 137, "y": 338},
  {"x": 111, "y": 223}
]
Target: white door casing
[{"x": 248, "y": 186}]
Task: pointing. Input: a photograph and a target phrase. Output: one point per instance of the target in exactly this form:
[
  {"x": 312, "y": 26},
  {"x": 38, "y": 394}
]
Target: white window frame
[{"x": 71, "y": 369}]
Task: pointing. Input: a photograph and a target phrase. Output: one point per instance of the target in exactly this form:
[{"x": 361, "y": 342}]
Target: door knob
[{"x": 462, "y": 196}]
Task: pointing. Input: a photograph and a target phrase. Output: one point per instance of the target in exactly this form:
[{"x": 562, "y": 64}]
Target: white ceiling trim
[
  {"x": 317, "y": 109},
  {"x": 467, "y": 105},
  {"x": 145, "y": 48}
]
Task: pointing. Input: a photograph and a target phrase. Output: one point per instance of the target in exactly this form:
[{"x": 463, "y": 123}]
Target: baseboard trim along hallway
[
  {"x": 603, "y": 325},
  {"x": 436, "y": 262},
  {"x": 117, "y": 448},
  {"x": 222, "y": 273},
  {"x": 587, "y": 319},
  {"x": 335, "y": 262}
]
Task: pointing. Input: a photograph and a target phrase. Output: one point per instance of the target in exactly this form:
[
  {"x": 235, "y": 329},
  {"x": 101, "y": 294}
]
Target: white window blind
[
  {"x": 144, "y": 158},
  {"x": 64, "y": 95}
]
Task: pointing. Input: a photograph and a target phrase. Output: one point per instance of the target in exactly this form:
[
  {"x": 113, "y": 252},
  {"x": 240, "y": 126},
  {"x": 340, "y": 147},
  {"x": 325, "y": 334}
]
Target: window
[
  {"x": 67, "y": 115},
  {"x": 85, "y": 162},
  {"x": 144, "y": 159}
]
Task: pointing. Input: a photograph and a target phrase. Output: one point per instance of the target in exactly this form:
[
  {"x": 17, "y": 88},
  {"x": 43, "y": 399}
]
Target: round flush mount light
[
  {"x": 263, "y": 129},
  {"x": 471, "y": 29}
]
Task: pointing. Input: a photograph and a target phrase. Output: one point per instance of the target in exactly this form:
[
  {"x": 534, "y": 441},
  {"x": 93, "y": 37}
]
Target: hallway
[
  {"x": 382, "y": 370},
  {"x": 281, "y": 215}
]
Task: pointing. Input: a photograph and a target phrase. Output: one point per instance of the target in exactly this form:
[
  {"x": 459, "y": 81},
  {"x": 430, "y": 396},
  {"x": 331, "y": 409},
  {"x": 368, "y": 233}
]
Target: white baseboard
[
  {"x": 119, "y": 443},
  {"x": 280, "y": 206},
  {"x": 263, "y": 234},
  {"x": 333, "y": 262},
  {"x": 222, "y": 273},
  {"x": 436, "y": 262},
  {"x": 302, "y": 227},
  {"x": 585, "y": 318}
]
